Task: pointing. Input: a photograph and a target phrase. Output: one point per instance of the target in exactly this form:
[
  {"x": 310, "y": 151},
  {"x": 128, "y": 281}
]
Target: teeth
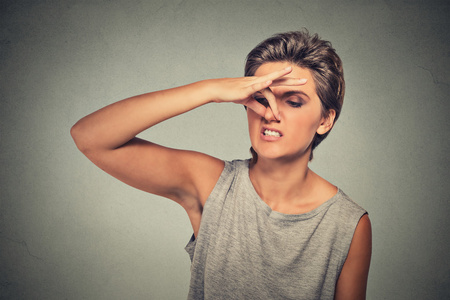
[{"x": 271, "y": 133}]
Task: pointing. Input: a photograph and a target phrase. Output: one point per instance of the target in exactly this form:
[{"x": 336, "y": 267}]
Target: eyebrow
[
  {"x": 286, "y": 94},
  {"x": 295, "y": 92}
]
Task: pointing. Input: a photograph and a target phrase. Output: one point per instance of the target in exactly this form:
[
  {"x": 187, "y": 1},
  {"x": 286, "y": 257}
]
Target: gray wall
[{"x": 69, "y": 231}]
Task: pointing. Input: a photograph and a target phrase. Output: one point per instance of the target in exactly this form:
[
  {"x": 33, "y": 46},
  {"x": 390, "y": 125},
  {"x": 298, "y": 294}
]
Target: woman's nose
[{"x": 269, "y": 116}]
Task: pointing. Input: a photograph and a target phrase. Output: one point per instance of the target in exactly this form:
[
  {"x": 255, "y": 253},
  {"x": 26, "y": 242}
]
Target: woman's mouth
[
  {"x": 270, "y": 135},
  {"x": 269, "y": 132}
]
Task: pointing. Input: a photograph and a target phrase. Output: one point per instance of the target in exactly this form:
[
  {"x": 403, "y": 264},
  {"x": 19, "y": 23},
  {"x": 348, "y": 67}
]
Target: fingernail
[
  {"x": 303, "y": 80},
  {"x": 288, "y": 68}
]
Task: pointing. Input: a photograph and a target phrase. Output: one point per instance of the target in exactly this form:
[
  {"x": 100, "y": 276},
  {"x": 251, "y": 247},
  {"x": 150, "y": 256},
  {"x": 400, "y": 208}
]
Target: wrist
[{"x": 208, "y": 90}]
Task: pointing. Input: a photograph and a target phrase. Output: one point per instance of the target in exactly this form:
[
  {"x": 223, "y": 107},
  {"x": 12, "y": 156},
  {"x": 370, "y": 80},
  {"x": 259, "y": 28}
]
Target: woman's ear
[{"x": 327, "y": 122}]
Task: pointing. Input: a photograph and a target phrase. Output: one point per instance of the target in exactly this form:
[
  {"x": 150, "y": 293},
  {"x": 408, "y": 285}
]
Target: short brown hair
[{"x": 306, "y": 51}]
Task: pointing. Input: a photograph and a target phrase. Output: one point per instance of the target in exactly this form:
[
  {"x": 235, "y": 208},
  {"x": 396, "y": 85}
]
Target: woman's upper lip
[{"x": 271, "y": 129}]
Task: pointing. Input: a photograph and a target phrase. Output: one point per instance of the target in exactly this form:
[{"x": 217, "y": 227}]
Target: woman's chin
[{"x": 278, "y": 154}]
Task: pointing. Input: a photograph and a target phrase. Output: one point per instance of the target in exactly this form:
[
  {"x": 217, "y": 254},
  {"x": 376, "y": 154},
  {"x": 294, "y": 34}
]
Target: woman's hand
[{"x": 241, "y": 90}]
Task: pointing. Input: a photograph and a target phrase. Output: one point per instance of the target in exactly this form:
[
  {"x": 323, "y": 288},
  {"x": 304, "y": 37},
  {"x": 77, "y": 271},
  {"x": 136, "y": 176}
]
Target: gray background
[{"x": 69, "y": 231}]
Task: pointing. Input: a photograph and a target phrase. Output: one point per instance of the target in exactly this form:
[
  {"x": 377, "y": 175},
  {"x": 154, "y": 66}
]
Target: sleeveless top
[{"x": 245, "y": 250}]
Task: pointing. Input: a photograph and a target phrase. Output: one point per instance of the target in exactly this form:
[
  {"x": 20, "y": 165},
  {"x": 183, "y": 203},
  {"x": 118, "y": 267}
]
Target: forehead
[{"x": 297, "y": 72}]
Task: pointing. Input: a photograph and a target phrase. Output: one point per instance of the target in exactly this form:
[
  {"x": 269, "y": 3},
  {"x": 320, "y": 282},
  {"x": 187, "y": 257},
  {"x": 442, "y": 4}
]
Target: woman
[{"x": 265, "y": 228}]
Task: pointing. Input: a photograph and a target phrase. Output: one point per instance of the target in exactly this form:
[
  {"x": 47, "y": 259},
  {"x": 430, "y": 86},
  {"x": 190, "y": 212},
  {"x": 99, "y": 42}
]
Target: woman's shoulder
[
  {"x": 346, "y": 203},
  {"x": 327, "y": 191},
  {"x": 238, "y": 164},
  {"x": 232, "y": 173},
  {"x": 231, "y": 168}
]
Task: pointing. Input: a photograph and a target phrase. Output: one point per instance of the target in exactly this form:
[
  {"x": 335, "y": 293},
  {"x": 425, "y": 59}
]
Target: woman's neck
[{"x": 289, "y": 187}]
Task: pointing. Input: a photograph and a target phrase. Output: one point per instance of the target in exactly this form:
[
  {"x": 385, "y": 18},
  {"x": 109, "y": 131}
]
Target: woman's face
[{"x": 300, "y": 117}]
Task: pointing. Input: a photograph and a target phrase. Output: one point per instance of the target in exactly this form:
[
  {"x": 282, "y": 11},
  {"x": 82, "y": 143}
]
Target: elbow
[{"x": 79, "y": 136}]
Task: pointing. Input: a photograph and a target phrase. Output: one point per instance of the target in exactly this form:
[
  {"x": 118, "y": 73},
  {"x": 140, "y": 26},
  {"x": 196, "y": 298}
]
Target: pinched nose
[{"x": 269, "y": 116}]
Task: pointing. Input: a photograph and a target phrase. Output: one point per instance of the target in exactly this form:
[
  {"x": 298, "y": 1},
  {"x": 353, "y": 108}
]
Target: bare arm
[
  {"x": 352, "y": 282},
  {"x": 107, "y": 138}
]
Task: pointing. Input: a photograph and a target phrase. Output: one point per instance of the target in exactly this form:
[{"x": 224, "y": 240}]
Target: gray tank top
[{"x": 245, "y": 250}]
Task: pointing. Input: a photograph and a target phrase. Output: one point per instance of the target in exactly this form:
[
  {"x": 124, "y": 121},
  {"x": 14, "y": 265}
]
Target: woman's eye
[
  {"x": 262, "y": 100},
  {"x": 294, "y": 103}
]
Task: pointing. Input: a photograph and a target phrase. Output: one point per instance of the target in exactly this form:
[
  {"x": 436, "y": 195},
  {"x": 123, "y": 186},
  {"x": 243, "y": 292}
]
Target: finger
[
  {"x": 257, "y": 107},
  {"x": 277, "y": 74},
  {"x": 272, "y": 103},
  {"x": 260, "y": 86},
  {"x": 289, "y": 81}
]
